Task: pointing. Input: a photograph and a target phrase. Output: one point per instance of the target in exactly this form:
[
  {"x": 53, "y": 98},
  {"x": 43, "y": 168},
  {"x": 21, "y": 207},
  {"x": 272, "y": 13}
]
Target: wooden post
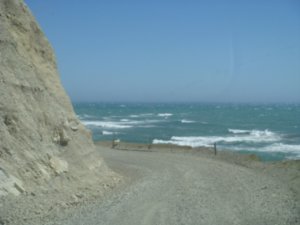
[
  {"x": 215, "y": 148},
  {"x": 113, "y": 142},
  {"x": 150, "y": 143}
]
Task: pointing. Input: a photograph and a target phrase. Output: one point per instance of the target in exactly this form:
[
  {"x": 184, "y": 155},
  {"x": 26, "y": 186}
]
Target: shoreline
[
  {"x": 220, "y": 154},
  {"x": 267, "y": 157}
]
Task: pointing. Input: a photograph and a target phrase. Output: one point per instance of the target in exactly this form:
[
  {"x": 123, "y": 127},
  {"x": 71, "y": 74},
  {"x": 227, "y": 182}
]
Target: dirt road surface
[{"x": 174, "y": 188}]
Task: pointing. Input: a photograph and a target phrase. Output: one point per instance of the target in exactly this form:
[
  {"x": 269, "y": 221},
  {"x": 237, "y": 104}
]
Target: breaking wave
[
  {"x": 164, "y": 114},
  {"x": 141, "y": 115},
  {"x": 266, "y": 134},
  {"x": 106, "y": 124},
  {"x": 187, "y": 121},
  {"x": 275, "y": 147},
  {"x": 122, "y": 124},
  {"x": 107, "y": 132},
  {"x": 254, "y": 136},
  {"x": 265, "y": 141},
  {"x": 237, "y": 131}
]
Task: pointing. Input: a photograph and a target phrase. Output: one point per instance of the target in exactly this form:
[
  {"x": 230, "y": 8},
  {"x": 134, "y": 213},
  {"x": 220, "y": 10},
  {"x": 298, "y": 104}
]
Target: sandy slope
[{"x": 175, "y": 188}]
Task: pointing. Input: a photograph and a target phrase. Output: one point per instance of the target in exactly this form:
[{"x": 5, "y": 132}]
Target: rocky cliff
[{"x": 42, "y": 143}]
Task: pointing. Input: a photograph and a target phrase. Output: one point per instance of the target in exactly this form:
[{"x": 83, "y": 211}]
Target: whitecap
[
  {"x": 281, "y": 147},
  {"x": 189, "y": 141},
  {"x": 131, "y": 122},
  {"x": 123, "y": 123},
  {"x": 254, "y": 136},
  {"x": 106, "y": 124},
  {"x": 187, "y": 121},
  {"x": 141, "y": 115},
  {"x": 107, "y": 132},
  {"x": 265, "y": 134},
  {"x": 274, "y": 147},
  {"x": 238, "y": 131},
  {"x": 164, "y": 114}
]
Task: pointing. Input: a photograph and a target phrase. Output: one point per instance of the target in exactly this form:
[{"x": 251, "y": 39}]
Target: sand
[{"x": 177, "y": 185}]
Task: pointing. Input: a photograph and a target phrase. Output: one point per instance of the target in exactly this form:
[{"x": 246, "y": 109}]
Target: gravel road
[{"x": 174, "y": 188}]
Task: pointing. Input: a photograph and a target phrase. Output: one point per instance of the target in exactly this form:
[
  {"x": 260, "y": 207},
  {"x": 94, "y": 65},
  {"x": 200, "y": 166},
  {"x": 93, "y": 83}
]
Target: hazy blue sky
[{"x": 224, "y": 51}]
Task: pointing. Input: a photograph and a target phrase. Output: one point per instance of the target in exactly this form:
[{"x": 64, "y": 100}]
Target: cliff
[{"x": 43, "y": 146}]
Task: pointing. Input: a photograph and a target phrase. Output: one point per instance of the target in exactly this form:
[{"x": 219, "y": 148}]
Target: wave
[
  {"x": 280, "y": 147},
  {"x": 187, "y": 121},
  {"x": 106, "y": 124},
  {"x": 108, "y": 132},
  {"x": 241, "y": 140},
  {"x": 275, "y": 147},
  {"x": 237, "y": 131},
  {"x": 164, "y": 114},
  {"x": 141, "y": 115},
  {"x": 138, "y": 122},
  {"x": 122, "y": 124},
  {"x": 254, "y": 136},
  {"x": 254, "y": 133}
]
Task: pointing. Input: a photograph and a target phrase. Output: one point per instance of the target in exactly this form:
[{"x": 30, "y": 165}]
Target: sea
[{"x": 271, "y": 131}]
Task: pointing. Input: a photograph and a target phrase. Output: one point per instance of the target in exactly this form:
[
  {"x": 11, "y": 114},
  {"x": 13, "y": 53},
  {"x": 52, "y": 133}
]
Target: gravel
[{"x": 177, "y": 188}]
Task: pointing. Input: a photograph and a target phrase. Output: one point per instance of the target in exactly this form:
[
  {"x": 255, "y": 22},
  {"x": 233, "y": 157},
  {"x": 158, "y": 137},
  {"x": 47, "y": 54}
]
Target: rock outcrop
[{"x": 42, "y": 143}]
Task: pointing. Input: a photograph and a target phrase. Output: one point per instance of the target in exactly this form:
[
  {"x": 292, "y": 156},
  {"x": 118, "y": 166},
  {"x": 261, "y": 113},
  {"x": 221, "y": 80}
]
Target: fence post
[
  {"x": 113, "y": 144},
  {"x": 150, "y": 143},
  {"x": 215, "y": 148}
]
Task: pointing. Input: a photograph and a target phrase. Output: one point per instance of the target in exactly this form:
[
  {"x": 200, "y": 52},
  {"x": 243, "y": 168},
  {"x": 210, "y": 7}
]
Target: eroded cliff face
[{"x": 42, "y": 143}]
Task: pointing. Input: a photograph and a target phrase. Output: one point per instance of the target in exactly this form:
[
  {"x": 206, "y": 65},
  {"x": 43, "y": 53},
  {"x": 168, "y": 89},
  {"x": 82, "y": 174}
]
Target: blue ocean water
[{"x": 271, "y": 131}]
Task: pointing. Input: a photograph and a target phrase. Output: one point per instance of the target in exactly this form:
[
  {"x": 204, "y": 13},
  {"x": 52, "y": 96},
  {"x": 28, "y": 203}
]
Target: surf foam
[
  {"x": 275, "y": 147},
  {"x": 254, "y": 136},
  {"x": 106, "y": 124},
  {"x": 164, "y": 114},
  {"x": 238, "y": 131},
  {"x": 141, "y": 115},
  {"x": 107, "y": 132},
  {"x": 122, "y": 124},
  {"x": 187, "y": 121}
]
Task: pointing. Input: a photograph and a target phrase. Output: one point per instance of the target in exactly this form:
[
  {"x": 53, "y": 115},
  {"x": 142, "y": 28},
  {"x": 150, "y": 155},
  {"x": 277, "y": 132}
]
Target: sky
[{"x": 175, "y": 51}]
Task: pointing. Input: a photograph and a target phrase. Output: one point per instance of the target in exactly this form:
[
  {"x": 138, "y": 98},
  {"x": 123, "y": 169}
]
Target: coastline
[
  {"x": 245, "y": 159},
  {"x": 195, "y": 125}
]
